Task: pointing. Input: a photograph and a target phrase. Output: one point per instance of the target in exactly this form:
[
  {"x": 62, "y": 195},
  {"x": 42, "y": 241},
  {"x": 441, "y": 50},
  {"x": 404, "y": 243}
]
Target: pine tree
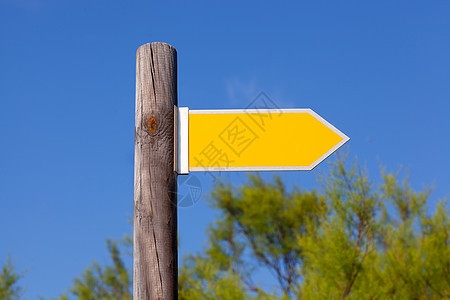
[{"x": 348, "y": 240}]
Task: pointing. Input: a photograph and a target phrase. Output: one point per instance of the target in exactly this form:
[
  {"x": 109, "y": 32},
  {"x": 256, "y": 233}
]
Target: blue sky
[{"x": 379, "y": 72}]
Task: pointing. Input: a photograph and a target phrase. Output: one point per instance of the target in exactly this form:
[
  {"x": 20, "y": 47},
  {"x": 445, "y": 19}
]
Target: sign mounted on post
[
  {"x": 169, "y": 138},
  {"x": 253, "y": 140}
]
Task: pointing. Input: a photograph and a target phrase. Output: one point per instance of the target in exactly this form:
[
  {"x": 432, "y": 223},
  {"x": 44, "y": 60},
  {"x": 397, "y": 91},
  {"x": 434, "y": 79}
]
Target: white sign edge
[
  {"x": 249, "y": 111},
  {"x": 344, "y": 137},
  {"x": 344, "y": 140},
  {"x": 182, "y": 141}
]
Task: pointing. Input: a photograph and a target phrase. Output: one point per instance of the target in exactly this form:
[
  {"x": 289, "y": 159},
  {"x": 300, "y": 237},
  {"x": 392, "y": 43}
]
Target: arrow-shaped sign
[{"x": 253, "y": 140}]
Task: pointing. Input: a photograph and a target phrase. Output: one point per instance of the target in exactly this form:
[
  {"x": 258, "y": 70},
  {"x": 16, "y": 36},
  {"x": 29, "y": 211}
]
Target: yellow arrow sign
[{"x": 256, "y": 139}]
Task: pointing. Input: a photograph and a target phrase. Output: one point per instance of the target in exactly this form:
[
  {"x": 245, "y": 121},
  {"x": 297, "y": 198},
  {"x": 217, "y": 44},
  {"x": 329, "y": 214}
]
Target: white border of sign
[{"x": 183, "y": 142}]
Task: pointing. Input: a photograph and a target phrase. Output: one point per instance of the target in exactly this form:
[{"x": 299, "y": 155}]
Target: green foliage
[
  {"x": 9, "y": 287},
  {"x": 350, "y": 240},
  {"x": 109, "y": 282},
  {"x": 220, "y": 284}
]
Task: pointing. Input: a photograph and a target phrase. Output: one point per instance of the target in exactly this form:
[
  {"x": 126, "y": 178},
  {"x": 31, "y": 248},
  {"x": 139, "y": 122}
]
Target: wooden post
[{"x": 155, "y": 270}]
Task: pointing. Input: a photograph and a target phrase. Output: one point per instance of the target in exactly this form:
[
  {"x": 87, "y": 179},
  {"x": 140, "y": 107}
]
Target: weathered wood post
[{"x": 155, "y": 267}]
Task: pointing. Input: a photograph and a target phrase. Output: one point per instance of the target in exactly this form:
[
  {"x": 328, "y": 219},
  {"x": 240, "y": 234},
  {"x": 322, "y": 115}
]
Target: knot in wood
[{"x": 152, "y": 125}]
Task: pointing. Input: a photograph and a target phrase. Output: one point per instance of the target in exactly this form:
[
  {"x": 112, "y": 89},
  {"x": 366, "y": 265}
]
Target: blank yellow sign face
[{"x": 257, "y": 140}]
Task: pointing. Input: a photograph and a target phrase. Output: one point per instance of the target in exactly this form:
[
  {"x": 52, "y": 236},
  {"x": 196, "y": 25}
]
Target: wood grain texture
[{"x": 155, "y": 213}]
